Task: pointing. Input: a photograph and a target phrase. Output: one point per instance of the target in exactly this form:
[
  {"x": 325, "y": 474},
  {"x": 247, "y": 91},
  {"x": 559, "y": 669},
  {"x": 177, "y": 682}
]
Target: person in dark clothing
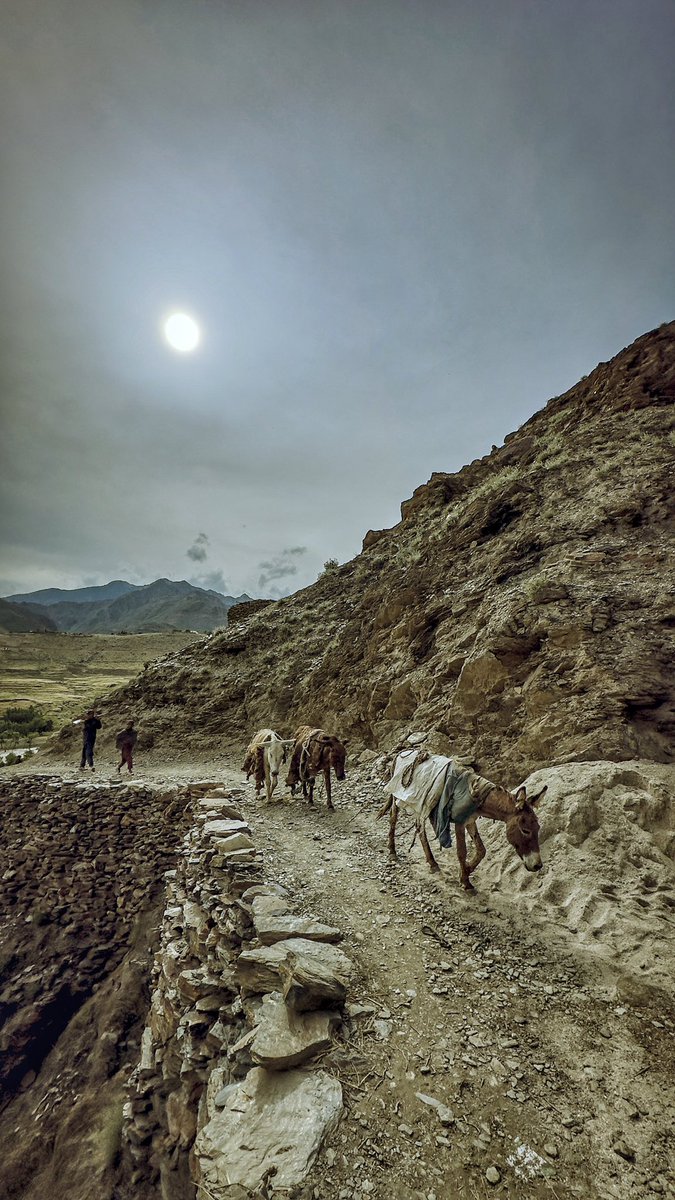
[
  {"x": 90, "y": 727},
  {"x": 125, "y": 741}
]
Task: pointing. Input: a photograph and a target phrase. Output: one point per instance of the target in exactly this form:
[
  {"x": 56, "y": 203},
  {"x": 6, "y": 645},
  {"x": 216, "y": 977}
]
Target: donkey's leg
[
  {"x": 433, "y": 865},
  {"x": 461, "y": 854},
  {"x": 308, "y": 789},
  {"x": 326, "y": 775},
  {"x": 393, "y": 818},
  {"x": 478, "y": 846}
]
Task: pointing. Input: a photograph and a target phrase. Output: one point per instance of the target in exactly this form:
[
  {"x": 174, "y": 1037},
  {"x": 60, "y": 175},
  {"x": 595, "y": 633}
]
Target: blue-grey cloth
[{"x": 455, "y": 806}]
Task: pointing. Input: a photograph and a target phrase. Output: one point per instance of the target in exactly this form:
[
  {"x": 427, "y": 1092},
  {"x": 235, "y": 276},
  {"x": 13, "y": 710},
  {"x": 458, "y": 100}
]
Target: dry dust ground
[{"x": 556, "y": 1066}]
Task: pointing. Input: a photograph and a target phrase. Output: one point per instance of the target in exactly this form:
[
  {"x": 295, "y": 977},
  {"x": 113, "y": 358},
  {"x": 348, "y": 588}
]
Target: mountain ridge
[{"x": 155, "y": 607}]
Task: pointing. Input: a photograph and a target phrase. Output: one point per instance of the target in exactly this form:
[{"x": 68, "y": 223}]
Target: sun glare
[{"x": 182, "y": 332}]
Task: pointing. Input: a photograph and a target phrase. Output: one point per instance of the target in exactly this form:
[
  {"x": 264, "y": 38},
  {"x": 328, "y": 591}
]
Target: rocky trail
[
  {"x": 537, "y": 1080},
  {"x": 486, "y": 1050}
]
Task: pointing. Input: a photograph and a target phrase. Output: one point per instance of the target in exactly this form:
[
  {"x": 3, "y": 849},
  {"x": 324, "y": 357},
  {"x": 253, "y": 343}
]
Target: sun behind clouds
[{"x": 182, "y": 332}]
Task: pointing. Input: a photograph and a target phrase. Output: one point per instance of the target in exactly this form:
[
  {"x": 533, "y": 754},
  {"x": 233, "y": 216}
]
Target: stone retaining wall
[{"x": 224, "y": 1102}]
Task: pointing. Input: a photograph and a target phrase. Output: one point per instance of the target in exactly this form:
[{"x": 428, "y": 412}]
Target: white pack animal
[{"x": 265, "y": 756}]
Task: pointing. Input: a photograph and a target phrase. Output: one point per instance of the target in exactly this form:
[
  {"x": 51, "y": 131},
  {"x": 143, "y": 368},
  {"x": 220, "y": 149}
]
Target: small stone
[
  {"x": 492, "y": 1175},
  {"x": 625, "y": 1151},
  {"x": 551, "y": 1150}
]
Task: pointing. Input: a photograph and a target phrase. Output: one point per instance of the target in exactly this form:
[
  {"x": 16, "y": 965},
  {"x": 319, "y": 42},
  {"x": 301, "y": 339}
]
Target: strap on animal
[{"x": 304, "y": 758}]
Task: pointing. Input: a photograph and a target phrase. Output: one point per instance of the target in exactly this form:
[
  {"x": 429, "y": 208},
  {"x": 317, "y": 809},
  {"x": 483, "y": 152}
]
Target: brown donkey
[
  {"x": 314, "y": 753},
  {"x": 421, "y": 783}
]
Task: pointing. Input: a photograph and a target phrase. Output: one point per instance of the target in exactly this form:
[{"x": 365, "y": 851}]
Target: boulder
[
  {"x": 481, "y": 678},
  {"x": 283, "y": 1038},
  {"x": 272, "y": 928},
  {"x": 270, "y": 1126},
  {"x": 260, "y": 970}
]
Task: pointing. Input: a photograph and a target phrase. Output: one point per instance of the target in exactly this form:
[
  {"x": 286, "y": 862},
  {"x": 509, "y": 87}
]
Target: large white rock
[
  {"x": 274, "y": 928},
  {"x": 270, "y": 1128},
  {"x": 283, "y": 1038},
  {"x": 258, "y": 970}
]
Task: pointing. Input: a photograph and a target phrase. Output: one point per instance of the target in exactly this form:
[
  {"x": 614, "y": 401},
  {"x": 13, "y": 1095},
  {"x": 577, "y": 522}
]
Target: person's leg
[
  {"x": 89, "y": 754},
  {"x": 82, "y": 759}
]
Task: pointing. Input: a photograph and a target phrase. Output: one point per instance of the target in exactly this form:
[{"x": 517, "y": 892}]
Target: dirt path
[{"x": 555, "y": 1086}]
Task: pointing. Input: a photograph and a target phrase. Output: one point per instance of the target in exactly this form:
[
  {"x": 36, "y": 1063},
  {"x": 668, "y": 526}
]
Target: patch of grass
[
  {"x": 65, "y": 672},
  {"x": 111, "y": 1134}
]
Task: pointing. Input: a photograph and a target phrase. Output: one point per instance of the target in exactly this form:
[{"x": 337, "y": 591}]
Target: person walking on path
[
  {"x": 90, "y": 727},
  {"x": 125, "y": 741}
]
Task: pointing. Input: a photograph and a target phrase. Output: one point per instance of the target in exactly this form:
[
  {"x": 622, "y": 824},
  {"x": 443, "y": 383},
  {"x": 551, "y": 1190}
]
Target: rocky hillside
[{"x": 522, "y": 607}]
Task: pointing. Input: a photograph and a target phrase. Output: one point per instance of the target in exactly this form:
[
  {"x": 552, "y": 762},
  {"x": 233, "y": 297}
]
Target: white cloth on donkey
[{"x": 419, "y": 786}]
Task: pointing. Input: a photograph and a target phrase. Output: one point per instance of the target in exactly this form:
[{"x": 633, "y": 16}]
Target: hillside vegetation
[
  {"x": 523, "y": 607},
  {"x": 62, "y": 672}
]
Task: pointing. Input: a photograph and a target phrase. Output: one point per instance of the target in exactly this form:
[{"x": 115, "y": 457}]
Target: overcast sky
[{"x": 402, "y": 224}]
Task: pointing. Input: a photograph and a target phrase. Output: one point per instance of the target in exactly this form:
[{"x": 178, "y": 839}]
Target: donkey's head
[{"x": 522, "y": 829}]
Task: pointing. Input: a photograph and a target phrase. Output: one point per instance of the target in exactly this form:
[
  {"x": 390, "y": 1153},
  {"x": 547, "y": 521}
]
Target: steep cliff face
[{"x": 523, "y": 607}]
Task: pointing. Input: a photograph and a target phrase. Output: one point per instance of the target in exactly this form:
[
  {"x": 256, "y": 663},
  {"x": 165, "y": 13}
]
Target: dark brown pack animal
[
  {"x": 315, "y": 752},
  {"x": 416, "y": 786}
]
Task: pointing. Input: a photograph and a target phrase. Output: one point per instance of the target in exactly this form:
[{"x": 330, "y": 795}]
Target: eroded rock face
[
  {"x": 608, "y": 849},
  {"x": 522, "y": 607},
  {"x": 270, "y": 1125},
  {"x": 81, "y": 892}
]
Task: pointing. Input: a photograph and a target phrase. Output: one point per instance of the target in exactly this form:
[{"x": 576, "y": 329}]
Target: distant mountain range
[
  {"x": 17, "y": 618},
  {"x": 118, "y": 607}
]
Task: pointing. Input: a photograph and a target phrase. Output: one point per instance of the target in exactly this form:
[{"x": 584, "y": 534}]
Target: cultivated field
[{"x": 64, "y": 672}]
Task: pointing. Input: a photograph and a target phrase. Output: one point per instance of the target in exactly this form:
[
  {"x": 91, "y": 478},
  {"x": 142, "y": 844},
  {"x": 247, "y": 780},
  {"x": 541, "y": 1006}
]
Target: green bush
[
  {"x": 17, "y": 724},
  {"x": 11, "y": 760}
]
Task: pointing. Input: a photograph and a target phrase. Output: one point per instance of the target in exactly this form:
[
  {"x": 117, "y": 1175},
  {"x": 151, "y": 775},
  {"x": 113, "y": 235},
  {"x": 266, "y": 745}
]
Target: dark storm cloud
[
  {"x": 198, "y": 551},
  {"x": 402, "y": 228},
  {"x": 280, "y": 566}
]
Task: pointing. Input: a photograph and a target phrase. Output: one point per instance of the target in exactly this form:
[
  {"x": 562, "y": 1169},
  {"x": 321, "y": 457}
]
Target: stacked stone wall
[{"x": 226, "y": 1099}]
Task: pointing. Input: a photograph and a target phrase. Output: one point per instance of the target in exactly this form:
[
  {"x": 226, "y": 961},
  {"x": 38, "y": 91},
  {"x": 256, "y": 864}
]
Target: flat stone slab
[
  {"x": 259, "y": 970},
  {"x": 270, "y": 1126},
  {"x": 273, "y": 928},
  {"x": 268, "y": 905},
  {"x": 224, "y": 827},
  {"x": 214, "y": 806},
  {"x": 236, "y": 841},
  {"x": 283, "y": 1038},
  {"x": 201, "y": 787}
]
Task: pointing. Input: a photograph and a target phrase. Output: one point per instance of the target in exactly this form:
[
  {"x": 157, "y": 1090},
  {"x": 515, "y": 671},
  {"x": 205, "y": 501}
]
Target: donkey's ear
[
  {"x": 534, "y": 800},
  {"x": 520, "y": 798}
]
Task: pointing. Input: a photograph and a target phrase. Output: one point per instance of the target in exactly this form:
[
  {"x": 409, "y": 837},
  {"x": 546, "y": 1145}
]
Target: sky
[{"x": 402, "y": 225}]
